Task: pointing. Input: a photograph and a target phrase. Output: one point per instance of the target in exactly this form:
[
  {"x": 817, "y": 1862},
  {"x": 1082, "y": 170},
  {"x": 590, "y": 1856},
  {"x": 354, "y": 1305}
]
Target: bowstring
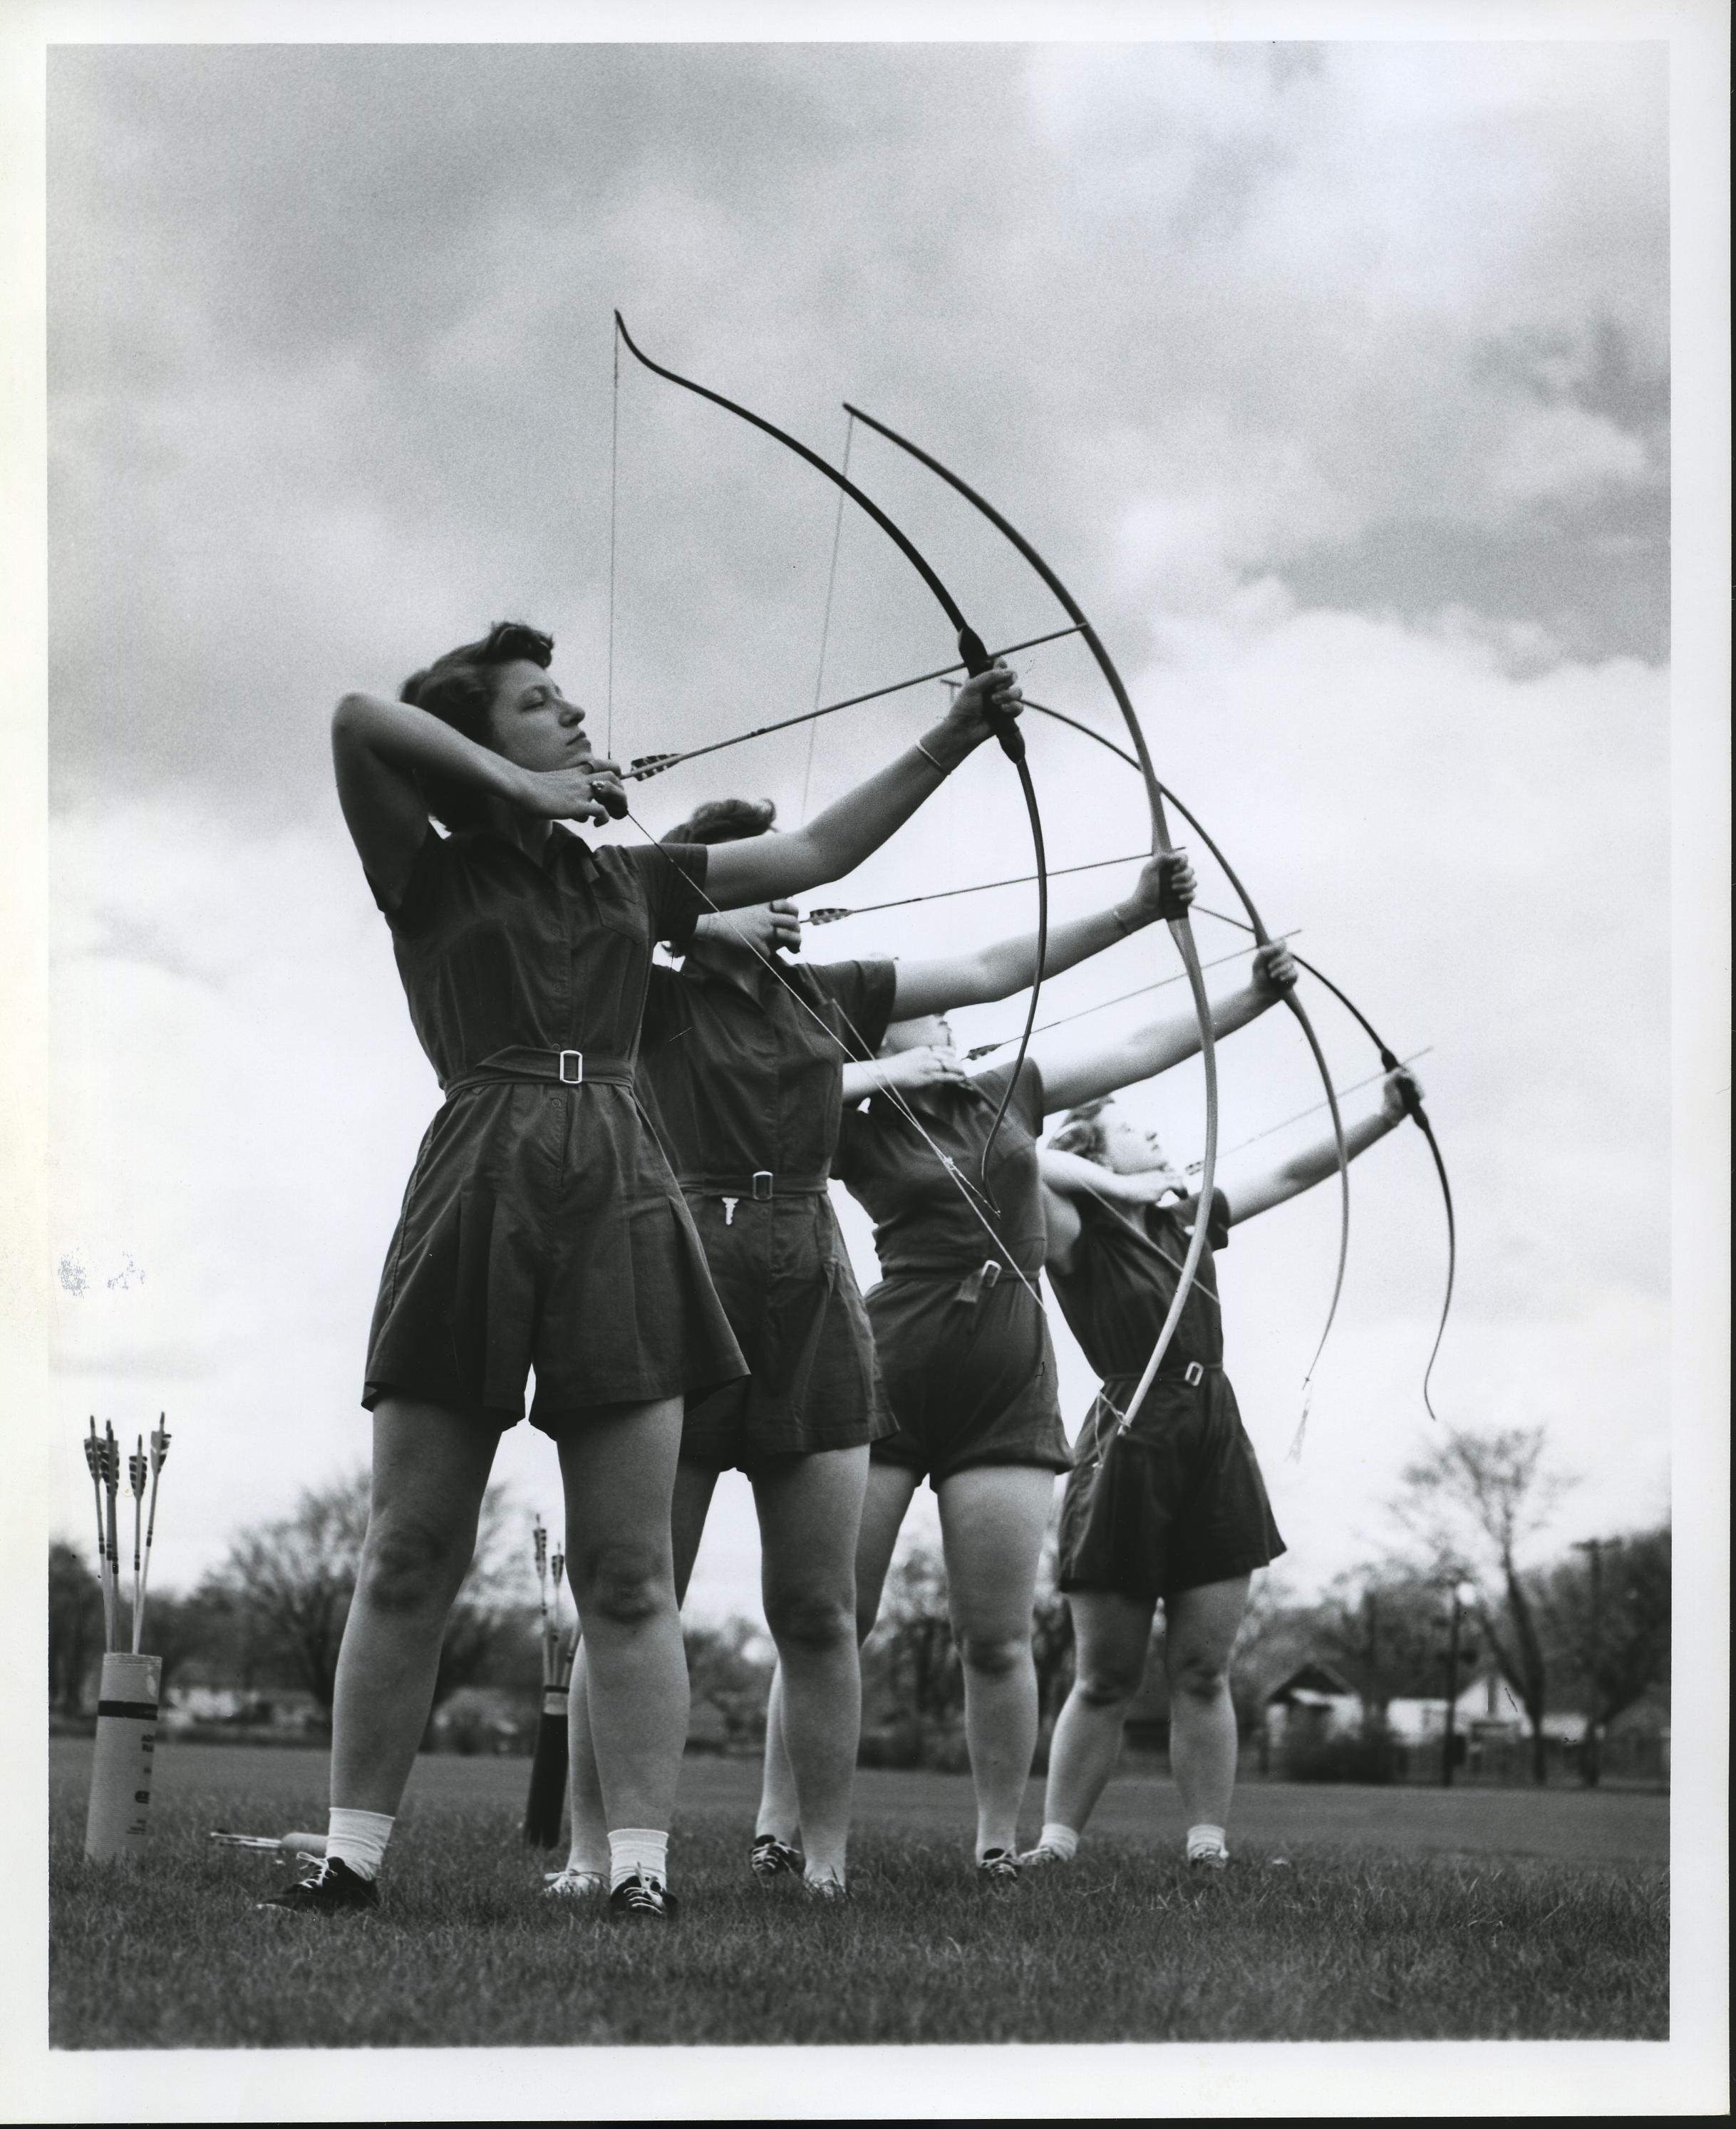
[
  {"x": 1314, "y": 1108},
  {"x": 660, "y": 764},
  {"x": 1103, "y": 1005},
  {"x": 614, "y": 449},
  {"x": 980, "y": 886},
  {"x": 894, "y": 1095},
  {"x": 831, "y": 576},
  {"x": 1118, "y": 1212}
]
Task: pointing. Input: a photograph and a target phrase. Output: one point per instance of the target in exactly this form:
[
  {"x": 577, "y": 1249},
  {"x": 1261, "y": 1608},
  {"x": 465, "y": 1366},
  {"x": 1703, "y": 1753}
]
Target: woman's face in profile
[{"x": 533, "y": 723}]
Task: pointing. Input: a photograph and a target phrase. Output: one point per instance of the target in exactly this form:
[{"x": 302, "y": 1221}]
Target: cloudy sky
[{"x": 1334, "y": 380}]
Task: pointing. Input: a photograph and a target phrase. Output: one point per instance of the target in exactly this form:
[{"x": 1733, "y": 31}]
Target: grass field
[{"x": 1351, "y": 1914}]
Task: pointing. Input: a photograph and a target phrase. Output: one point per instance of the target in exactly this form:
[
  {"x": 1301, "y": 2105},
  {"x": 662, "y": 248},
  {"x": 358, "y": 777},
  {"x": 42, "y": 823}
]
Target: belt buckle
[
  {"x": 575, "y": 1076},
  {"x": 972, "y": 1285},
  {"x": 1192, "y": 1375},
  {"x": 761, "y": 1184}
]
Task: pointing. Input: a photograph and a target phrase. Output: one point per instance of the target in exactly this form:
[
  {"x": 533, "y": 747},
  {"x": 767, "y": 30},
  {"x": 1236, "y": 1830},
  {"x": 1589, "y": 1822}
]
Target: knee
[
  {"x": 993, "y": 1655},
  {"x": 624, "y": 1585},
  {"x": 811, "y": 1620},
  {"x": 410, "y": 1564},
  {"x": 1203, "y": 1679},
  {"x": 1109, "y": 1682}
]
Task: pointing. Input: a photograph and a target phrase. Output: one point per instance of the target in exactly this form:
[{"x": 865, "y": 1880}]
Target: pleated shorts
[
  {"x": 780, "y": 1271},
  {"x": 543, "y": 1229},
  {"x": 969, "y": 1382},
  {"x": 1175, "y": 1504}
]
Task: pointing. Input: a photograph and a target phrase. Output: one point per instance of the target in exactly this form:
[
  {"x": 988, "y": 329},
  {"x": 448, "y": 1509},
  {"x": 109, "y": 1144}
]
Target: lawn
[{"x": 1351, "y": 1914}]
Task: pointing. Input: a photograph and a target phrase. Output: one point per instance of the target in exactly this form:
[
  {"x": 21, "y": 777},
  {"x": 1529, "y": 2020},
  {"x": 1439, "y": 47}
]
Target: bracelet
[{"x": 939, "y": 767}]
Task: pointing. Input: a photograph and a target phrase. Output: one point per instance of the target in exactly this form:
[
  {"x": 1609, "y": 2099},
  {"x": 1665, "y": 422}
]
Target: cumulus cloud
[{"x": 1334, "y": 377}]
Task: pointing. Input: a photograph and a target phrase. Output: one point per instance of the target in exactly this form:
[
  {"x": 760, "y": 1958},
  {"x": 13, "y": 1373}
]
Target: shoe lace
[{"x": 643, "y": 1896}]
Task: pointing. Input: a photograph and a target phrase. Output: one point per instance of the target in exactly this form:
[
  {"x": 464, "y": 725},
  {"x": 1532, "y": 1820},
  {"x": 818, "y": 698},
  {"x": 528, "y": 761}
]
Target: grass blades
[{"x": 1326, "y": 1942}]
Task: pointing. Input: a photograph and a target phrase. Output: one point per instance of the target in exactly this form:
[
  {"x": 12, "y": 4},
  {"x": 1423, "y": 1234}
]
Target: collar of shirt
[
  {"x": 756, "y": 983},
  {"x": 562, "y": 845}
]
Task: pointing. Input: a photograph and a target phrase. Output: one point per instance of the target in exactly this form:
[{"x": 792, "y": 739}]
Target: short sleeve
[
  {"x": 1218, "y": 1228},
  {"x": 862, "y": 992},
  {"x": 410, "y": 911},
  {"x": 673, "y": 875},
  {"x": 1028, "y": 1102}
]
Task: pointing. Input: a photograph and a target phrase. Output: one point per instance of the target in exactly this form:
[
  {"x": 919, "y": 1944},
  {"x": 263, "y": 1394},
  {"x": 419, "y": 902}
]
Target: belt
[
  {"x": 549, "y": 1068},
  {"x": 1192, "y": 1373},
  {"x": 978, "y": 1278},
  {"x": 761, "y": 1184}
]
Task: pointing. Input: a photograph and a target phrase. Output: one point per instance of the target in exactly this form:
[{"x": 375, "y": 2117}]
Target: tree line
[{"x": 1586, "y": 1628}]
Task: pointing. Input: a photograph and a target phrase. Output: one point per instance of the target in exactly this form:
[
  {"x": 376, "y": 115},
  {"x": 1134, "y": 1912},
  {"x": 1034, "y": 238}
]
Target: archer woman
[
  {"x": 1164, "y": 1503},
  {"x": 743, "y": 1062},
  {"x": 964, "y": 1350},
  {"x": 541, "y": 1226}
]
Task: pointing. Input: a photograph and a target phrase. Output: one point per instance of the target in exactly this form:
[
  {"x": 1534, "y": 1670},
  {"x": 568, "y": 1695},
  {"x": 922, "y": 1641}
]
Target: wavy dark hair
[
  {"x": 1083, "y": 1132},
  {"x": 725, "y": 821},
  {"x": 459, "y": 688}
]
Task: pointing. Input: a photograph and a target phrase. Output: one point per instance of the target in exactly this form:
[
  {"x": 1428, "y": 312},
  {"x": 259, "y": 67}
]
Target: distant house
[
  {"x": 1317, "y": 1701},
  {"x": 1314, "y": 1702},
  {"x": 184, "y": 1705},
  {"x": 286, "y": 1709}
]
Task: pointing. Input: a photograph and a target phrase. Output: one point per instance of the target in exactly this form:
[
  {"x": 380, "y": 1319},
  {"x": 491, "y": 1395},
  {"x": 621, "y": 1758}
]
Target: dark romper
[
  {"x": 746, "y": 1093},
  {"x": 964, "y": 1349},
  {"x": 541, "y": 1227},
  {"x": 1178, "y": 1501}
]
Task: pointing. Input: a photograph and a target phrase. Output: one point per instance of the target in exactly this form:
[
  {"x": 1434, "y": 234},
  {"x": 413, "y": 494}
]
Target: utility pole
[
  {"x": 1591, "y": 1754},
  {"x": 1449, "y": 1738}
]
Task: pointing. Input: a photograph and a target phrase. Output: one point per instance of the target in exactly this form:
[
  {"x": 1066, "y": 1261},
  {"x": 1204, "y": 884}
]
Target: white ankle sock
[
  {"x": 1201, "y": 1839},
  {"x": 1062, "y": 1839},
  {"x": 637, "y": 1851},
  {"x": 358, "y": 1838}
]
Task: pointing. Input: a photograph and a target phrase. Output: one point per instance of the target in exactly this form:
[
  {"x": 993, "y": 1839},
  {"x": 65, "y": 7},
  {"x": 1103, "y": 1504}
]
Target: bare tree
[
  {"x": 74, "y": 1627},
  {"x": 728, "y": 1667},
  {"x": 915, "y": 1632},
  {"x": 1476, "y": 1500},
  {"x": 1380, "y": 1627},
  {"x": 291, "y": 1581},
  {"x": 1611, "y": 1651}
]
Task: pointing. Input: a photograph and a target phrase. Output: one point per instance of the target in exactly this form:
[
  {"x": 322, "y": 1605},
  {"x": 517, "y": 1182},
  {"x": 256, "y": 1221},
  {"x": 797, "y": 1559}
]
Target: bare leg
[
  {"x": 589, "y": 1846},
  {"x": 810, "y": 1512},
  {"x": 992, "y": 1518},
  {"x": 1111, "y": 1634},
  {"x": 618, "y": 1465},
  {"x": 884, "y": 1505},
  {"x": 1201, "y": 1631},
  {"x": 430, "y": 1467}
]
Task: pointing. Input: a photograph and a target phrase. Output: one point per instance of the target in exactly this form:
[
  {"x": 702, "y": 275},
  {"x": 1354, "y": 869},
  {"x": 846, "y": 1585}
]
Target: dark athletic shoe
[
  {"x": 827, "y": 1892},
  {"x": 998, "y": 1872},
  {"x": 770, "y": 1858},
  {"x": 334, "y": 1888},
  {"x": 639, "y": 1898},
  {"x": 1206, "y": 1862}
]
